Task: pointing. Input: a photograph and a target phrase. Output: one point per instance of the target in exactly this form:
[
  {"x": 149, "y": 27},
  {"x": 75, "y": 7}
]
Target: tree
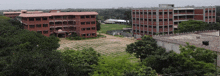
[
  {"x": 192, "y": 25},
  {"x": 190, "y": 61},
  {"x": 80, "y": 61},
  {"x": 142, "y": 48},
  {"x": 128, "y": 17},
  {"x": 98, "y": 25},
  {"x": 26, "y": 52},
  {"x": 120, "y": 65}
]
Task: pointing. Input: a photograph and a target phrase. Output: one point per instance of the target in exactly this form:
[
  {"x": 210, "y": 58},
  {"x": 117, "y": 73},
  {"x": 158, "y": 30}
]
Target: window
[
  {"x": 31, "y": 19},
  {"x": 31, "y": 26},
  {"x": 154, "y": 19},
  {"x": 87, "y": 22},
  {"x": 64, "y": 17},
  {"x": 44, "y": 18},
  {"x": 165, "y": 12},
  {"x": 93, "y": 34},
  {"x": 87, "y": 16},
  {"x": 87, "y": 28},
  {"x": 175, "y": 11},
  {"x": 82, "y": 23},
  {"x": 93, "y": 28},
  {"x": 142, "y": 19},
  {"x": 149, "y": 13},
  {"x": 141, "y": 31},
  {"x": 145, "y": 12},
  {"x": 137, "y": 25},
  {"x": 45, "y": 32},
  {"x": 93, "y": 16},
  {"x": 137, "y": 30},
  {"x": 38, "y": 19},
  {"x": 150, "y": 26},
  {"x": 83, "y": 29},
  {"x": 165, "y": 19},
  {"x": 45, "y": 25},
  {"x": 160, "y": 26},
  {"x": 133, "y": 24},
  {"x": 141, "y": 25},
  {"x": 170, "y": 19},
  {"x": 82, "y": 17},
  {"x": 154, "y": 13},
  {"x": 93, "y": 22},
  {"x": 133, "y": 12},
  {"x": 213, "y": 10},
  {"x": 88, "y": 34},
  {"x": 206, "y": 11},
  {"x": 154, "y": 26},
  {"x": 145, "y": 25},
  {"x": 83, "y": 34},
  {"x": 154, "y": 33},
  {"x": 141, "y": 12},
  {"x": 39, "y": 32},
  {"x": 160, "y": 20},
  {"x": 210, "y": 16},
  {"x": 206, "y": 17},
  {"x": 150, "y": 33},
  {"x": 170, "y": 26},
  {"x": 149, "y": 19},
  {"x": 160, "y": 13},
  {"x": 145, "y": 31},
  {"x": 213, "y": 16},
  {"x": 137, "y": 18},
  {"x": 165, "y": 26},
  {"x": 137, "y": 12},
  {"x": 38, "y": 25},
  {"x": 51, "y": 17},
  {"x": 133, "y": 18},
  {"x": 170, "y": 12},
  {"x": 71, "y": 17},
  {"x": 145, "y": 19}
]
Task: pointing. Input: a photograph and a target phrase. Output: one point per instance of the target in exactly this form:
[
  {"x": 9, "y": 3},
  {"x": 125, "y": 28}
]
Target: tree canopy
[
  {"x": 142, "y": 48},
  {"x": 190, "y": 61}
]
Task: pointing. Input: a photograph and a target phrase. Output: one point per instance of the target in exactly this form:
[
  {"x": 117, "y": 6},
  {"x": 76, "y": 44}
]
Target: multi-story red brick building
[
  {"x": 61, "y": 24},
  {"x": 166, "y": 17}
]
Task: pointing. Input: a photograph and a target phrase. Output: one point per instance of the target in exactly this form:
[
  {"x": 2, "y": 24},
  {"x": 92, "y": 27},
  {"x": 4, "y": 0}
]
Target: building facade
[
  {"x": 60, "y": 24},
  {"x": 16, "y": 14},
  {"x": 165, "y": 19}
]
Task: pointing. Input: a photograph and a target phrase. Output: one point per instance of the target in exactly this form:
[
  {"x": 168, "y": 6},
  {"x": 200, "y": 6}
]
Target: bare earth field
[{"x": 104, "y": 46}]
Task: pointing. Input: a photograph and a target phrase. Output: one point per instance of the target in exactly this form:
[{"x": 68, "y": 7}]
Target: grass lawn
[{"x": 108, "y": 27}]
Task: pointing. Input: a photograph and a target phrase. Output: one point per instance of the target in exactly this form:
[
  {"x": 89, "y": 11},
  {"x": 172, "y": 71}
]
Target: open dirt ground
[{"x": 108, "y": 45}]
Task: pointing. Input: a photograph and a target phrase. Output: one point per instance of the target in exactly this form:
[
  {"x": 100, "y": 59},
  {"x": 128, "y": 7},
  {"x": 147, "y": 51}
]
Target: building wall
[
  {"x": 12, "y": 15},
  {"x": 152, "y": 21},
  {"x": 65, "y": 23}
]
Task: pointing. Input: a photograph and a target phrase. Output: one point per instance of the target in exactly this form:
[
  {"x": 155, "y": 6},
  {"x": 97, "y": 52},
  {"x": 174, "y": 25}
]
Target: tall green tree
[
  {"x": 142, "y": 48},
  {"x": 121, "y": 65},
  {"x": 128, "y": 17},
  {"x": 98, "y": 25},
  {"x": 192, "y": 25},
  {"x": 79, "y": 62},
  {"x": 24, "y": 52},
  {"x": 190, "y": 61}
]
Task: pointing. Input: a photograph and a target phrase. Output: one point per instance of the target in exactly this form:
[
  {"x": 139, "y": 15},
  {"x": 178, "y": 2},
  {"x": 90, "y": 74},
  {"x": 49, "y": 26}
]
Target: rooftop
[
  {"x": 57, "y": 14},
  {"x": 194, "y": 39}
]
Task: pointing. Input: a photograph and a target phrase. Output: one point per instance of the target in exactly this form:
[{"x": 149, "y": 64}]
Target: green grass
[{"x": 108, "y": 27}]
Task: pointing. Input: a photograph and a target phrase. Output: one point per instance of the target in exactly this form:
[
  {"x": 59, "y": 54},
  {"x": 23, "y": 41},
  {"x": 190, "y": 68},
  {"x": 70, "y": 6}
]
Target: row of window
[
  {"x": 83, "y": 29},
  {"x": 150, "y": 26},
  {"x": 152, "y": 19},
  {"x": 38, "y": 25},
  {"x": 82, "y": 17},
  {"x": 210, "y": 11},
  {"x": 210, "y": 17},
  {"x": 151, "y": 32},
  {"x": 154, "y": 13},
  {"x": 83, "y": 23},
  {"x": 44, "y": 32},
  {"x": 89, "y": 34}
]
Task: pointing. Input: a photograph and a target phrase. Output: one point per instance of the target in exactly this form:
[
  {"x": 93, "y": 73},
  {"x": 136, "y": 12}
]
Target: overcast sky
[{"x": 60, "y": 4}]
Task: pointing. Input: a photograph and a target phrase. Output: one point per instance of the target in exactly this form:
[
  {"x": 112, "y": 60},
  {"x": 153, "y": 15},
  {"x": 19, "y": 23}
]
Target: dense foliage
[
  {"x": 190, "y": 61},
  {"x": 142, "y": 48},
  {"x": 121, "y": 65},
  {"x": 193, "y": 25},
  {"x": 26, "y": 52},
  {"x": 98, "y": 25},
  {"x": 79, "y": 62}
]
